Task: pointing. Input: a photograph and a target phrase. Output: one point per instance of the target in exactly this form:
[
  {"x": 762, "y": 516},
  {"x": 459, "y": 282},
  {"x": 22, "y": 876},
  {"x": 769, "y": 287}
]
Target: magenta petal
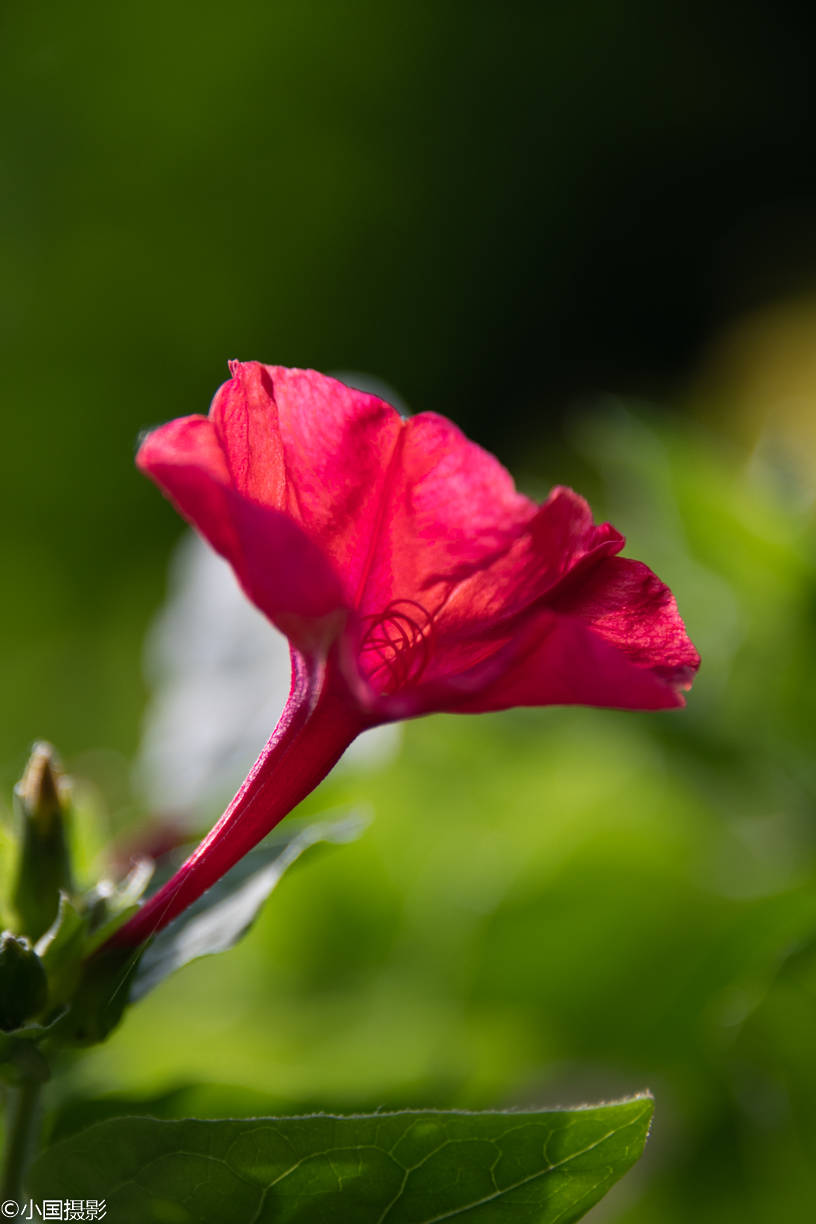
[
  {"x": 557, "y": 660},
  {"x": 339, "y": 448},
  {"x": 244, "y": 417},
  {"x": 627, "y": 605},
  {"x": 557, "y": 539},
  {"x": 556, "y": 620},
  {"x": 187, "y": 462},
  {"x": 566, "y": 537},
  {"x": 279, "y": 566},
  {"x": 448, "y": 509},
  {"x": 608, "y": 635}
]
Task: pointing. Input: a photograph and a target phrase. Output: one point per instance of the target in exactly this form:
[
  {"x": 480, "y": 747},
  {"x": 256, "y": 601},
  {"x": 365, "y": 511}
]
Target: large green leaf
[{"x": 399, "y": 1168}]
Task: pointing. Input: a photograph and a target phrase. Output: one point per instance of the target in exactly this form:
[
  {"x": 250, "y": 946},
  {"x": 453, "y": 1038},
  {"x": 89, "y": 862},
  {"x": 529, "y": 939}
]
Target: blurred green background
[{"x": 542, "y": 222}]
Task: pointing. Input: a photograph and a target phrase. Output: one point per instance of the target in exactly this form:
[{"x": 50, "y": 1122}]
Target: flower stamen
[{"x": 396, "y": 645}]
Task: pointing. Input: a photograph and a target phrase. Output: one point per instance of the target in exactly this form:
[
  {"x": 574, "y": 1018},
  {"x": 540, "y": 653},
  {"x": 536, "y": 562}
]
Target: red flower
[{"x": 409, "y": 576}]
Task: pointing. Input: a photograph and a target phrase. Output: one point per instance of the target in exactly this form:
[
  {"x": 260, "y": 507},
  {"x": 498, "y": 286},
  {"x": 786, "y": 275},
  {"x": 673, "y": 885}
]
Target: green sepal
[
  {"x": 62, "y": 948},
  {"x": 100, "y": 996}
]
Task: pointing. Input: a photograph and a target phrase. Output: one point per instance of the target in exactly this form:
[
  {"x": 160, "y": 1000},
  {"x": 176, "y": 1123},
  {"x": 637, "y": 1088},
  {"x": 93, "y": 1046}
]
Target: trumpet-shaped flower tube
[{"x": 409, "y": 575}]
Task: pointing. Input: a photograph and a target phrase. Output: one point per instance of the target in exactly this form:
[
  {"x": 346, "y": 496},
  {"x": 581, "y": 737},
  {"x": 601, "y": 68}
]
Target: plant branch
[{"x": 22, "y": 1101}]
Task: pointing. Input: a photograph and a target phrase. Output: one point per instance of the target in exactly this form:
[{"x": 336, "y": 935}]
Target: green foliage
[
  {"x": 83, "y": 987},
  {"x": 226, "y": 912},
  {"x": 404, "y": 1168}
]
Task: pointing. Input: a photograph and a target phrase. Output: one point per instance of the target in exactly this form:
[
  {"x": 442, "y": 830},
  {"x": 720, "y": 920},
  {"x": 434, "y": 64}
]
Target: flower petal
[
  {"x": 338, "y": 448},
  {"x": 398, "y": 507},
  {"x": 447, "y": 511},
  {"x": 334, "y": 511},
  {"x": 245, "y": 417},
  {"x": 553, "y": 660},
  {"x": 627, "y": 605},
  {"x": 185, "y": 458},
  {"x": 609, "y": 634},
  {"x": 560, "y": 539},
  {"x": 279, "y": 567},
  {"x": 557, "y": 660}
]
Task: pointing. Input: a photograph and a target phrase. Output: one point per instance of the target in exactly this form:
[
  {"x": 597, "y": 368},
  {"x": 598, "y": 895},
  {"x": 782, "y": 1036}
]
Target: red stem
[{"x": 314, "y": 730}]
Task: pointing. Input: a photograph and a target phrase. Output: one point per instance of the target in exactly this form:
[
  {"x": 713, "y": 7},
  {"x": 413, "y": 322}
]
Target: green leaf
[
  {"x": 227, "y": 910},
  {"x": 399, "y": 1168}
]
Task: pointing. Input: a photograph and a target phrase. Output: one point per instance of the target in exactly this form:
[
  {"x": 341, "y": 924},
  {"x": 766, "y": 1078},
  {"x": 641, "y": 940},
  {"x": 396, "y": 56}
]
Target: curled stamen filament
[{"x": 397, "y": 645}]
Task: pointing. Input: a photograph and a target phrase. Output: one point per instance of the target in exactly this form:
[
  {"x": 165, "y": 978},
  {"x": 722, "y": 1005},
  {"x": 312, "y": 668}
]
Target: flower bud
[
  {"x": 44, "y": 867},
  {"x": 23, "y": 984}
]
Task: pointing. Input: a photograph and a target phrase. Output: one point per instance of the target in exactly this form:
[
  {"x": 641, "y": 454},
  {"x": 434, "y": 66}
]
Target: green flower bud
[
  {"x": 23, "y": 984},
  {"x": 44, "y": 867}
]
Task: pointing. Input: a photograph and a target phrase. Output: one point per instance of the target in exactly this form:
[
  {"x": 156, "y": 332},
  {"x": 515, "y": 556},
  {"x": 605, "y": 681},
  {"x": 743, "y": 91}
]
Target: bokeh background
[{"x": 587, "y": 234}]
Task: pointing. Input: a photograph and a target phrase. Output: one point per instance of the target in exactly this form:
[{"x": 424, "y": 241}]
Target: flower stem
[
  {"x": 315, "y": 729},
  {"x": 22, "y": 1102}
]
